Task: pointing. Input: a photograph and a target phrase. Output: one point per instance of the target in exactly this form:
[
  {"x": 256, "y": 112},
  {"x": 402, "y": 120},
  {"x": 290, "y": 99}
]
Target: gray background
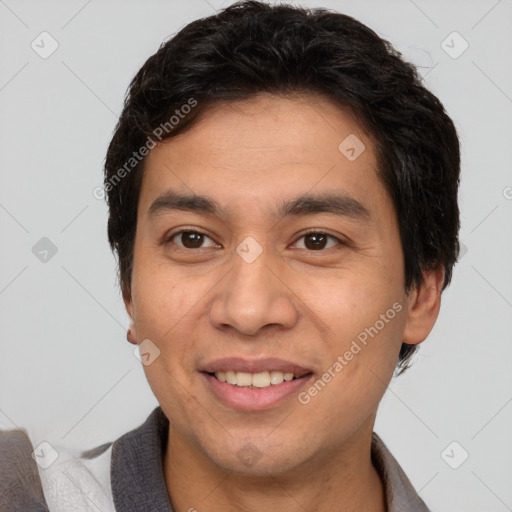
[{"x": 67, "y": 373}]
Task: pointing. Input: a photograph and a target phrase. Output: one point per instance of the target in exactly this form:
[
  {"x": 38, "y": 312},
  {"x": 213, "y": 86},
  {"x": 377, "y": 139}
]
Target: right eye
[{"x": 189, "y": 239}]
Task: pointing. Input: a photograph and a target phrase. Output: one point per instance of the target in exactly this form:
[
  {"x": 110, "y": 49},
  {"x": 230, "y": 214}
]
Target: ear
[
  {"x": 128, "y": 303},
  {"x": 131, "y": 334},
  {"x": 424, "y": 304}
]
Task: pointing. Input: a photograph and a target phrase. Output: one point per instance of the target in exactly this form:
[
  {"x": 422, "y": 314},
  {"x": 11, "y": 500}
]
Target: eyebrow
[{"x": 336, "y": 203}]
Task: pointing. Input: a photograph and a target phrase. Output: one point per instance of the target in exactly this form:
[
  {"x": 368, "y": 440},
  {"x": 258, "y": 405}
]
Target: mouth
[{"x": 254, "y": 385}]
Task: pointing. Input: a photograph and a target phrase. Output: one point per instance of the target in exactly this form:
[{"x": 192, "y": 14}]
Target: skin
[{"x": 295, "y": 301}]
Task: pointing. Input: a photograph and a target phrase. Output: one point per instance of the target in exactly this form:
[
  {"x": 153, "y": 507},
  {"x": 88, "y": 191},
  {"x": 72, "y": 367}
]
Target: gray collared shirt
[{"x": 127, "y": 475}]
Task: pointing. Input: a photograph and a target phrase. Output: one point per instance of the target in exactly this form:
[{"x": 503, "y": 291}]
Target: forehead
[{"x": 261, "y": 150}]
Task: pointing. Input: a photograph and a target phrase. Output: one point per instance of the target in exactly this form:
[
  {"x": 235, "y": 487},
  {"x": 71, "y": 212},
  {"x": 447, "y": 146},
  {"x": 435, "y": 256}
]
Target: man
[{"x": 282, "y": 199}]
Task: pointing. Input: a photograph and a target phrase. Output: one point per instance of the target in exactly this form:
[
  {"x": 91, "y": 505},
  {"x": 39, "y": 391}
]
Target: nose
[{"x": 254, "y": 295}]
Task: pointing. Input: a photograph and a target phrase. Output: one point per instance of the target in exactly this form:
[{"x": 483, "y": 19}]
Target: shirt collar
[
  {"x": 400, "y": 494},
  {"x": 136, "y": 469}
]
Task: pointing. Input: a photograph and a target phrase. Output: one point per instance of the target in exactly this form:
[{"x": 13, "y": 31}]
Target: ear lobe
[
  {"x": 424, "y": 305},
  {"x": 131, "y": 334}
]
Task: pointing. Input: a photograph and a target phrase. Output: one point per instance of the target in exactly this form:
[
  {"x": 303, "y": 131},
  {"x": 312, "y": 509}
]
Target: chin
[{"x": 255, "y": 457}]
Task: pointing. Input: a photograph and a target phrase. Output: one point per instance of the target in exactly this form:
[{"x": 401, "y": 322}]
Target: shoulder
[
  {"x": 78, "y": 481},
  {"x": 20, "y": 485},
  {"x": 52, "y": 478}
]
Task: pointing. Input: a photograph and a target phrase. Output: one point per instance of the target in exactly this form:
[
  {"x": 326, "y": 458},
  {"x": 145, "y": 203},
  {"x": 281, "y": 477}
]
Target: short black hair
[{"x": 253, "y": 47}]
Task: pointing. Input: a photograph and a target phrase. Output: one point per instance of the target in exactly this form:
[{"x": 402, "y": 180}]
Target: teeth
[
  {"x": 257, "y": 380},
  {"x": 260, "y": 380},
  {"x": 243, "y": 379}
]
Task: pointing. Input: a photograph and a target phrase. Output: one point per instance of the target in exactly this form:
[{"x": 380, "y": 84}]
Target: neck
[{"x": 346, "y": 481}]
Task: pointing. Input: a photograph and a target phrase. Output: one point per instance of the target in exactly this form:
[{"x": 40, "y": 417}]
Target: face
[{"x": 291, "y": 263}]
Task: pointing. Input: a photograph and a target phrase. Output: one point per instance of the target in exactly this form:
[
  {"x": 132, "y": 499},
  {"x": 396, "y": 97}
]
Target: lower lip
[{"x": 254, "y": 399}]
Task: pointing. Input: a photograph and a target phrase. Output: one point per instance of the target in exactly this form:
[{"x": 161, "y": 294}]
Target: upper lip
[{"x": 239, "y": 364}]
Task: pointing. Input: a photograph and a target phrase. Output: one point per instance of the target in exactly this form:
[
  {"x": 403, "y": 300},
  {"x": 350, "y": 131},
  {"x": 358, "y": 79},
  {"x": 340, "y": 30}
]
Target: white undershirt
[{"x": 75, "y": 484}]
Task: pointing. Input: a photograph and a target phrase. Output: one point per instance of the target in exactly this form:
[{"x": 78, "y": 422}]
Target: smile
[{"x": 250, "y": 397}]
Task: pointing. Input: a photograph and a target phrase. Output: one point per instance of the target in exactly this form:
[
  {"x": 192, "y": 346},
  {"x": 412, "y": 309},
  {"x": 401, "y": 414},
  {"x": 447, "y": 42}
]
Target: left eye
[{"x": 317, "y": 240}]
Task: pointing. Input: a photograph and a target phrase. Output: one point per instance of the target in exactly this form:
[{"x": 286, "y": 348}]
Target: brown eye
[
  {"x": 316, "y": 241},
  {"x": 189, "y": 239}
]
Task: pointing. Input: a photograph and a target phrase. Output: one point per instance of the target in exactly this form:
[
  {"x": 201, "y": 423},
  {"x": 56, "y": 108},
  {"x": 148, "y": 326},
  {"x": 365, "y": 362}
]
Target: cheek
[
  {"x": 165, "y": 308},
  {"x": 161, "y": 297},
  {"x": 365, "y": 316},
  {"x": 359, "y": 368},
  {"x": 353, "y": 301}
]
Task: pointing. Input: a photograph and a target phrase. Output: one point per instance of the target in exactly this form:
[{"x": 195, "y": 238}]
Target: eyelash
[{"x": 308, "y": 232}]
